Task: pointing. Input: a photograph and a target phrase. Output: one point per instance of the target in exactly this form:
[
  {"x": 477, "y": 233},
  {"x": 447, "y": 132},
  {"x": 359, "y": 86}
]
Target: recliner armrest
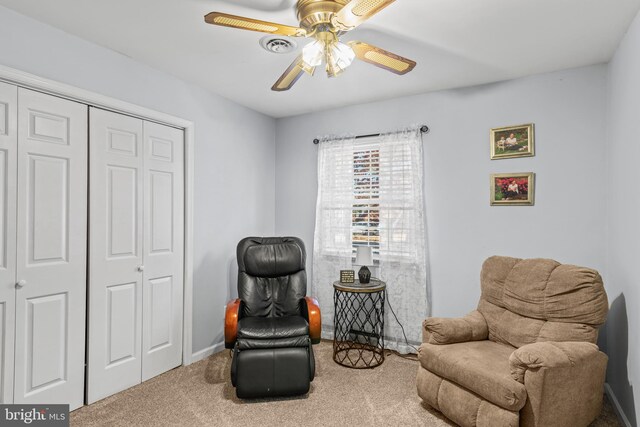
[
  {"x": 231, "y": 317},
  {"x": 564, "y": 382},
  {"x": 311, "y": 312},
  {"x": 441, "y": 330},
  {"x": 549, "y": 354}
]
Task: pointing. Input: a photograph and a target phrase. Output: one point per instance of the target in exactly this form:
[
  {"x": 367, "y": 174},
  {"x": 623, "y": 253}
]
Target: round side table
[{"x": 358, "y": 322}]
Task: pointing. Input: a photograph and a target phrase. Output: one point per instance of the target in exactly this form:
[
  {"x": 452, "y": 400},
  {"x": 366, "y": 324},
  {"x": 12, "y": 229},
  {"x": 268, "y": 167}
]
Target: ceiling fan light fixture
[
  {"x": 342, "y": 54},
  {"x": 313, "y": 53},
  {"x": 333, "y": 70},
  {"x": 339, "y": 57}
]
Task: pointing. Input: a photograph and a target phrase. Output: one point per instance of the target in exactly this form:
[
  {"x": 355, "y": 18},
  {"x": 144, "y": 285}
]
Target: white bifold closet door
[
  {"x": 8, "y": 159},
  {"x": 163, "y": 248},
  {"x": 136, "y": 251},
  {"x": 51, "y": 249}
]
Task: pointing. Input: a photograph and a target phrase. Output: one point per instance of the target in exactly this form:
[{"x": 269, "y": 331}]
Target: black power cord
[{"x": 405, "y": 356}]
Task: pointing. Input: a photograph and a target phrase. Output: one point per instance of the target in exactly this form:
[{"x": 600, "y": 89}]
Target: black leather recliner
[{"x": 272, "y": 325}]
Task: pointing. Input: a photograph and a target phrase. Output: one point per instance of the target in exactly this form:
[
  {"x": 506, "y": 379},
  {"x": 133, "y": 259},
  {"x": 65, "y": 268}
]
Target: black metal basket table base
[{"x": 358, "y": 340}]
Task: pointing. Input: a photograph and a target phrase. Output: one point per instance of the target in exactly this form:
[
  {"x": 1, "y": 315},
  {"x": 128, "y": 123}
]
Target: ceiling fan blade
[
  {"x": 381, "y": 58},
  {"x": 292, "y": 75},
  {"x": 356, "y": 12},
  {"x": 233, "y": 21}
]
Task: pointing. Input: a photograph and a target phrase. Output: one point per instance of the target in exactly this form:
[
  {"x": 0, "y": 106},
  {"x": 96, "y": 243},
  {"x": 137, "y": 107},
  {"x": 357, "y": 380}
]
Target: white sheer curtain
[
  {"x": 395, "y": 224},
  {"x": 332, "y": 247}
]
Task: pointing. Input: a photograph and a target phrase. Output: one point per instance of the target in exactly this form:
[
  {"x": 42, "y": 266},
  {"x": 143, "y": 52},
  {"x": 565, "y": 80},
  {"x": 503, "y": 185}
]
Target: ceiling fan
[{"x": 324, "y": 21}]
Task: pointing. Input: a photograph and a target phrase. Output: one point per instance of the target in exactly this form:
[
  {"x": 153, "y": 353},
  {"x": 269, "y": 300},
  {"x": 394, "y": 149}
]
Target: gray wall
[
  {"x": 234, "y": 148},
  {"x": 568, "y": 220},
  {"x": 623, "y": 222}
]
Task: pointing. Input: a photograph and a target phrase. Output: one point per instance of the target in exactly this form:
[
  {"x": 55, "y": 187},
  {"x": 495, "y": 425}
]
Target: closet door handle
[
  {"x": 141, "y": 268},
  {"x": 21, "y": 284}
]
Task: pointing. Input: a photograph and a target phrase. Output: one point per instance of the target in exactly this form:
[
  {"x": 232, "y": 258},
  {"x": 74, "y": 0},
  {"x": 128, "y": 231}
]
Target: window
[{"x": 369, "y": 199}]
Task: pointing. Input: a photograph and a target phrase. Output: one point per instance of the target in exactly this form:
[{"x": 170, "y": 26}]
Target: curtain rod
[{"x": 423, "y": 129}]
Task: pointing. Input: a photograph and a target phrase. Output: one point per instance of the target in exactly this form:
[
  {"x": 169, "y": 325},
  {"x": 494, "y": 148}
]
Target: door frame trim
[{"x": 62, "y": 90}]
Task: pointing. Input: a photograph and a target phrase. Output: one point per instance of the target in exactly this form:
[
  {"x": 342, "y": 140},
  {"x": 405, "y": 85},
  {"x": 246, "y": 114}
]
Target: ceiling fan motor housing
[{"x": 314, "y": 12}]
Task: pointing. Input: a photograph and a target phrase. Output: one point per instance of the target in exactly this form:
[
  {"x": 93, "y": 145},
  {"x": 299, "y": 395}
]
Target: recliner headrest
[
  {"x": 271, "y": 256},
  {"x": 545, "y": 289}
]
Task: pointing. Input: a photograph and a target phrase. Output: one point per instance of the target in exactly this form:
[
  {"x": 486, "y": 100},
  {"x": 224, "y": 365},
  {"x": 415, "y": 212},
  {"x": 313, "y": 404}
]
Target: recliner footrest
[
  {"x": 462, "y": 406},
  {"x": 272, "y": 372}
]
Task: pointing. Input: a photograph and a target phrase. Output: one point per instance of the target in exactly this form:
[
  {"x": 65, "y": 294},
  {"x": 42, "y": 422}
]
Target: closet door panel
[
  {"x": 115, "y": 248},
  {"x": 163, "y": 249},
  {"x": 51, "y": 250},
  {"x": 8, "y": 159}
]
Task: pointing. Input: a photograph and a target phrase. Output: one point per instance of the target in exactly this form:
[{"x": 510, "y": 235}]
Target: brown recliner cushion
[
  {"x": 532, "y": 300},
  {"x": 516, "y": 330},
  {"x": 479, "y": 366}
]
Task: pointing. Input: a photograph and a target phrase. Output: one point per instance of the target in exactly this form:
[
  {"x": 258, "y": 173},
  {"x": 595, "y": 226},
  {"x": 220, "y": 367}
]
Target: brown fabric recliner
[{"x": 527, "y": 356}]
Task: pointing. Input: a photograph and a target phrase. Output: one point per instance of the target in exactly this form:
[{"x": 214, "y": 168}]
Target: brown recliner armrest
[
  {"x": 441, "y": 330},
  {"x": 549, "y": 354},
  {"x": 564, "y": 382},
  {"x": 231, "y": 317},
  {"x": 314, "y": 318}
]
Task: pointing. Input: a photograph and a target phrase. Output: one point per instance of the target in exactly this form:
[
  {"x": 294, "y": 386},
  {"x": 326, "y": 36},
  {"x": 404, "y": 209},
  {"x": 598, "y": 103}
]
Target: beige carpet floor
[{"x": 201, "y": 394}]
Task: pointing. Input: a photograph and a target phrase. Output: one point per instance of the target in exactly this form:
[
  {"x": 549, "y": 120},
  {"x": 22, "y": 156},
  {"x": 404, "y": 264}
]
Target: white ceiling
[{"x": 455, "y": 42}]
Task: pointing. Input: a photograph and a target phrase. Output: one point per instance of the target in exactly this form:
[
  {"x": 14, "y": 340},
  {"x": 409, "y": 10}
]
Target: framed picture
[
  {"x": 512, "y": 189},
  {"x": 512, "y": 141},
  {"x": 347, "y": 276}
]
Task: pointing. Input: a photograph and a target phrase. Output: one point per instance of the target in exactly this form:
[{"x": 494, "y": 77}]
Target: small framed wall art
[
  {"x": 512, "y": 189},
  {"x": 512, "y": 141}
]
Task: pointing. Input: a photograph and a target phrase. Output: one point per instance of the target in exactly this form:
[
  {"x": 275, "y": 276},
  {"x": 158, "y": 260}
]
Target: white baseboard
[
  {"x": 616, "y": 405},
  {"x": 203, "y": 354}
]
